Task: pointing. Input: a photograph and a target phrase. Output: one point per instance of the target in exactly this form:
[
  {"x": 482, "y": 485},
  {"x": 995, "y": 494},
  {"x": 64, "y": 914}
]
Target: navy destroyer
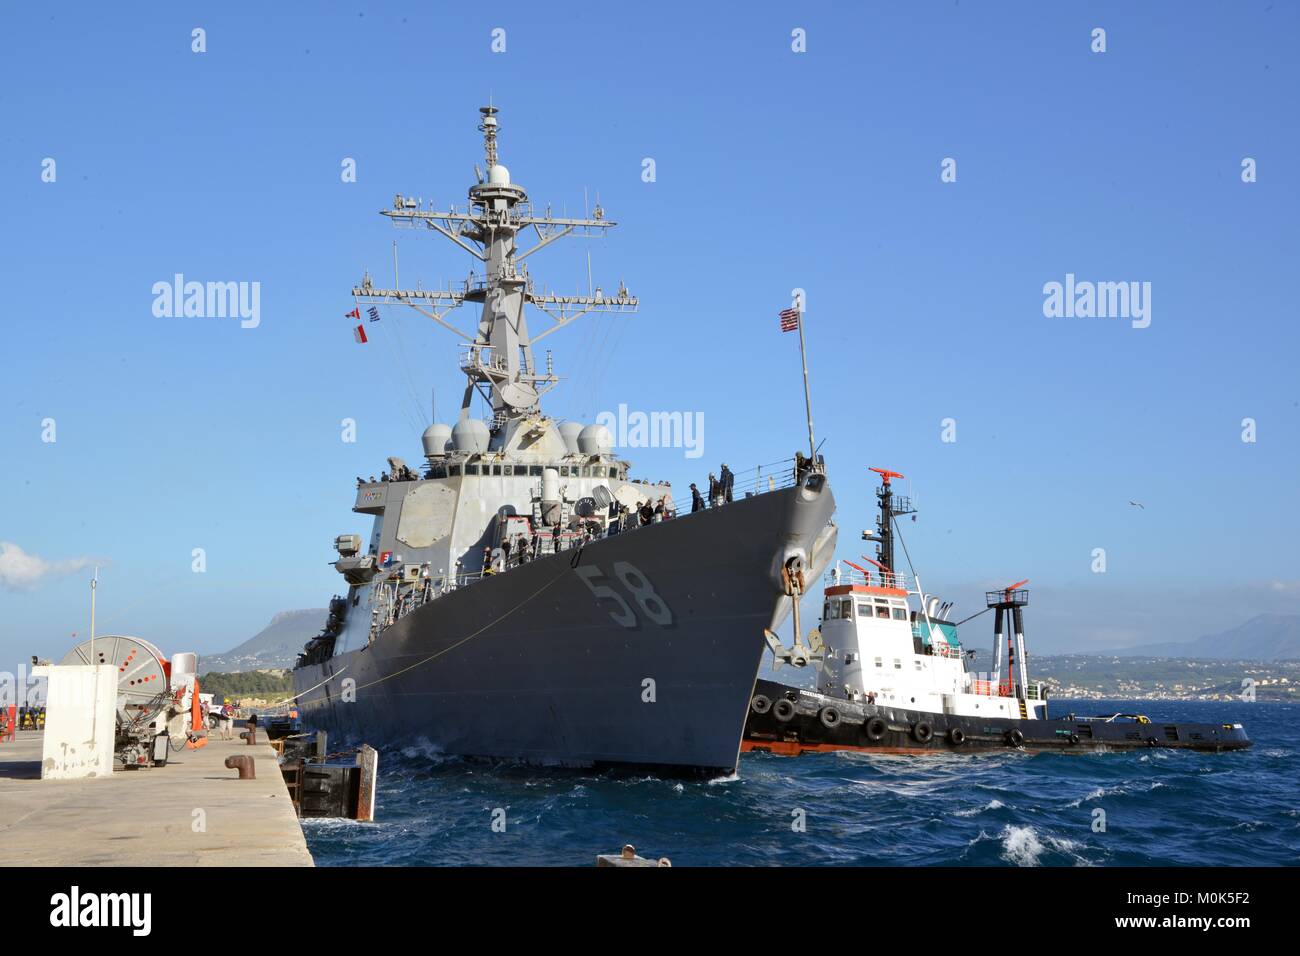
[
  {"x": 519, "y": 595},
  {"x": 893, "y": 676}
]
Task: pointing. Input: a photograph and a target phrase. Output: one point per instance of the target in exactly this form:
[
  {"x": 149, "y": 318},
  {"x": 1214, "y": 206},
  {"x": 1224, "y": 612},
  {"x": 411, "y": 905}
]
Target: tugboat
[{"x": 893, "y": 677}]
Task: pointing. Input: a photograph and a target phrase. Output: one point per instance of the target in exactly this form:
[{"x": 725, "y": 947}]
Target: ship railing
[
  {"x": 397, "y": 600},
  {"x": 762, "y": 479},
  {"x": 481, "y": 356},
  {"x": 842, "y": 574},
  {"x": 988, "y": 688}
]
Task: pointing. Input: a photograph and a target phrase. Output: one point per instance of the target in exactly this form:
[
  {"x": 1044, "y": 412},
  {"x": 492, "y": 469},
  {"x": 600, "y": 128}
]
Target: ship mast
[{"x": 498, "y": 359}]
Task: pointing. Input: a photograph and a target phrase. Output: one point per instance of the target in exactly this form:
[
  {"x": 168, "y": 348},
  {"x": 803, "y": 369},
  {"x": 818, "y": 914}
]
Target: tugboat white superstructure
[
  {"x": 892, "y": 675},
  {"x": 520, "y": 595}
]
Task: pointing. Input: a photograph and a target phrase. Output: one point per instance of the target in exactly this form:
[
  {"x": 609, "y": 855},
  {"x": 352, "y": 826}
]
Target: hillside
[
  {"x": 276, "y": 645},
  {"x": 1267, "y": 637}
]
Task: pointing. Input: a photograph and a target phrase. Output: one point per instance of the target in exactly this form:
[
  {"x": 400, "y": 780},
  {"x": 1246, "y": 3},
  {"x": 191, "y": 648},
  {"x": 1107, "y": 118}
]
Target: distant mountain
[
  {"x": 276, "y": 645},
  {"x": 1268, "y": 637}
]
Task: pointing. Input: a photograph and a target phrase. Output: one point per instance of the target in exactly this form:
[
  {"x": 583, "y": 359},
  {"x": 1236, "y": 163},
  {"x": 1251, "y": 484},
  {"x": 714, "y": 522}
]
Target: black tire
[
  {"x": 876, "y": 727},
  {"x": 830, "y": 717},
  {"x": 922, "y": 732},
  {"x": 1015, "y": 738},
  {"x": 760, "y": 704},
  {"x": 783, "y": 710},
  {"x": 956, "y": 736},
  {"x": 1074, "y": 739}
]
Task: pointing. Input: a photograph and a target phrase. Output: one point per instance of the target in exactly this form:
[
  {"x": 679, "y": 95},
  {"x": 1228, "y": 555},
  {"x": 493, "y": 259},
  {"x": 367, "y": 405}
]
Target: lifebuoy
[
  {"x": 922, "y": 732},
  {"x": 1015, "y": 738},
  {"x": 830, "y": 717},
  {"x": 783, "y": 710},
  {"x": 876, "y": 728},
  {"x": 957, "y": 736},
  {"x": 760, "y": 704}
]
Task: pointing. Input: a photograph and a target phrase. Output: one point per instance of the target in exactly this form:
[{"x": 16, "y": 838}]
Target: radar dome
[
  {"x": 569, "y": 431},
  {"x": 471, "y": 435},
  {"x": 498, "y": 175},
  {"x": 595, "y": 440},
  {"x": 435, "y": 440}
]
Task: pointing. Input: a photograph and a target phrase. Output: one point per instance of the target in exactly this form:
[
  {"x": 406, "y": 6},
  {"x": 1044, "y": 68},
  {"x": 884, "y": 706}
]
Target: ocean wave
[{"x": 976, "y": 811}]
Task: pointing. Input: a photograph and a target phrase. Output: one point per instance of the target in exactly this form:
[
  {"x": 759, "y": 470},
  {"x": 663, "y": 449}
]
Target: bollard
[
  {"x": 249, "y": 736},
  {"x": 244, "y": 765}
]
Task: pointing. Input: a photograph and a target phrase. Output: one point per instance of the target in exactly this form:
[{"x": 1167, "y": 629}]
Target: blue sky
[{"x": 774, "y": 170}]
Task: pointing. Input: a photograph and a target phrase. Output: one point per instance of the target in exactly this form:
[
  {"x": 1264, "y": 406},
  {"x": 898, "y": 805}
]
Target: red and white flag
[
  {"x": 359, "y": 333},
  {"x": 354, "y": 314},
  {"x": 789, "y": 320}
]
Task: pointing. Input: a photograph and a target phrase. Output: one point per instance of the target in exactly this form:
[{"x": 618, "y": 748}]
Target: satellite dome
[
  {"x": 595, "y": 440},
  {"x": 471, "y": 435},
  {"x": 498, "y": 175},
  {"x": 435, "y": 440},
  {"x": 569, "y": 431}
]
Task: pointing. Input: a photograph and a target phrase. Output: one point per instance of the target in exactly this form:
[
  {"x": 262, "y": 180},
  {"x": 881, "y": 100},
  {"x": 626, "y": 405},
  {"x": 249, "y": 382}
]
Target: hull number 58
[{"x": 637, "y": 585}]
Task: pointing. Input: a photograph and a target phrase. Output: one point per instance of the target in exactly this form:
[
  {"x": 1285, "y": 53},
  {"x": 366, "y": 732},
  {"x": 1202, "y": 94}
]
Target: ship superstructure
[{"x": 520, "y": 595}]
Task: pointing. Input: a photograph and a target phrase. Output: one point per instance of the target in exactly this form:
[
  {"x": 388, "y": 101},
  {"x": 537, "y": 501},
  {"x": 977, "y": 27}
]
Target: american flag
[
  {"x": 789, "y": 320},
  {"x": 373, "y": 313}
]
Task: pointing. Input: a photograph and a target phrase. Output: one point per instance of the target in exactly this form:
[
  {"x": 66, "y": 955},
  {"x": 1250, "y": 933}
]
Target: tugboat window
[
  {"x": 454, "y": 470},
  {"x": 471, "y": 469},
  {"x": 496, "y": 469},
  {"x": 535, "y": 470}
]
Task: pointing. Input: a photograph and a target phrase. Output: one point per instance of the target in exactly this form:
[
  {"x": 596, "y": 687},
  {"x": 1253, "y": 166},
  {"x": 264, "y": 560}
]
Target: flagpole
[{"x": 807, "y": 393}]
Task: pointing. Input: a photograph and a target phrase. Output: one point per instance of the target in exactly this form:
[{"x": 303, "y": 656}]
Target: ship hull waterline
[
  {"x": 639, "y": 650},
  {"x": 874, "y": 728}
]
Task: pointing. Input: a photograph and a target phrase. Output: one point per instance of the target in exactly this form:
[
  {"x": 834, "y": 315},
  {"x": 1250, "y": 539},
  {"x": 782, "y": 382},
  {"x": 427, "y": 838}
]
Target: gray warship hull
[{"x": 559, "y": 661}]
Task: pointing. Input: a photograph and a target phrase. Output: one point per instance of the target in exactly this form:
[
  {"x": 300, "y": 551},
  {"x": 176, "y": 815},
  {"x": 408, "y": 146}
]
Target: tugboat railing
[{"x": 875, "y": 579}]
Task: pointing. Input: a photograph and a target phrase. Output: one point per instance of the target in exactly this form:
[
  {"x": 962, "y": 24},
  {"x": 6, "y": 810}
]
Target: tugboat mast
[
  {"x": 498, "y": 359},
  {"x": 890, "y": 507}
]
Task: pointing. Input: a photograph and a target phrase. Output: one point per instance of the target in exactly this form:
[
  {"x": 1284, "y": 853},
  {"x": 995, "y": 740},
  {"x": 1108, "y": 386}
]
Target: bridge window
[
  {"x": 496, "y": 469},
  {"x": 471, "y": 469},
  {"x": 454, "y": 470},
  {"x": 900, "y": 614},
  {"x": 882, "y": 612},
  {"x": 535, "y": 470}
]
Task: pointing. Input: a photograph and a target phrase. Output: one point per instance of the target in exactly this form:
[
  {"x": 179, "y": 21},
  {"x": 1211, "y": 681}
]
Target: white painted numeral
[
  {"x": 625, "y": 616},
  {"x": 638, "y": 585}
]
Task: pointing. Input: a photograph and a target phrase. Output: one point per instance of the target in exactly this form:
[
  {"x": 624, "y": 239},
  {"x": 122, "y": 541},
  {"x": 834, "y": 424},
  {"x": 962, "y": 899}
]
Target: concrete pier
[{"x": 192, "y": 812}]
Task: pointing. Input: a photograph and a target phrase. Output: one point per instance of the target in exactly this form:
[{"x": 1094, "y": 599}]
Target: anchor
[{"x": 801, "y": 654}]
